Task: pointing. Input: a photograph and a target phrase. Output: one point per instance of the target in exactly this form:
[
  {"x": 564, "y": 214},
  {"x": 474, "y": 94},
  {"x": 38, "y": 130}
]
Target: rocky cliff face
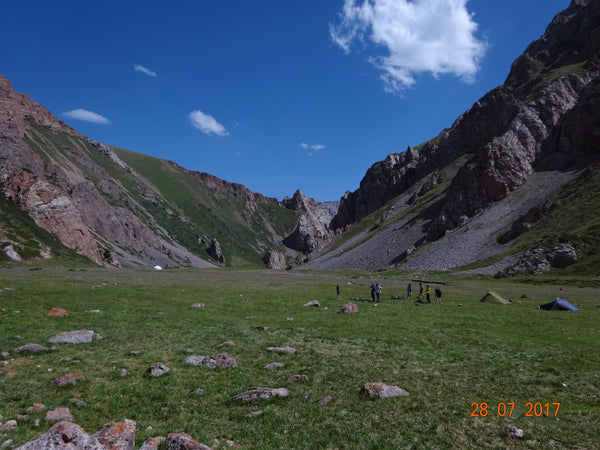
[
  {"x": 83, "y": 193},
  {"x": 544, "y": 118}
]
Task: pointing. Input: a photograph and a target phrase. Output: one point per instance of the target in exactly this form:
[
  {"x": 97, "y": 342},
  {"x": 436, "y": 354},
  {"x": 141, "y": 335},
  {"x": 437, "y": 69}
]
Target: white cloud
[
  {"x": 312, "y": 149},
  {"x": 435, "y": 36},
  {"x": 207, "y": 124},
  {"x": 87, "y": 116},
  {"x": 145, "y": 70}
]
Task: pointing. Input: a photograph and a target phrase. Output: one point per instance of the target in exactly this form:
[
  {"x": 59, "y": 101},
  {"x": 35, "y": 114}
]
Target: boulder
[
  {"x": 33, "y": 348},
  {"x": 58, "y": 312},
  {"x": 183, "y": 441},
  {"x": 158, "y": 369},
  {"x": 63, "y": 435},
  {"x": 60, "y": 415},
  {"x": 382, "y": 390},
  {"x": 514, "y": 432},
  {"x": 69, "y": 378},
  {"x": 261, "y": 393},
  {"x": 220, "y": 360},
  {"x": 114, "y": 436},
  {"x": 152, "y": 443},
  {"x": 286, "y": 349},
  {"x": 274, "y": 260},
  {"x": 72, "y": 337},
  {"x": 348, "y": 308},
  {"x": 214, "y": 250}
]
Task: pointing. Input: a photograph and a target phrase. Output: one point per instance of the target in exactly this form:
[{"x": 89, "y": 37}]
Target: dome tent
[
  {"x": 494, "y": 297},
  {"x": 560, "y": 304}
]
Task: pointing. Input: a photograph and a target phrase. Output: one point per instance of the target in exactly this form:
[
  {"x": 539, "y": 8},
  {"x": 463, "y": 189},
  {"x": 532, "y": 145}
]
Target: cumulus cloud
[
  {"x": 311, "y": 149},
  {"x": 207, "y": 124},
  {"x": 434, "y": 36},
  {"x": 87, "y": 116},
  {"x": 145, "y": 70}
]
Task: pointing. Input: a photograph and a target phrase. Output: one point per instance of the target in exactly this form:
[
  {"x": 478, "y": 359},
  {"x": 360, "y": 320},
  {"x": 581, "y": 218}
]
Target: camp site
[{"x": 470, "y": 369}]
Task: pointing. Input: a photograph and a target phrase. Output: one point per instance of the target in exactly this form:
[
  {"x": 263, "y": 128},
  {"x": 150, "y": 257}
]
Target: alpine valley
[{"x": 513, "y": 186}]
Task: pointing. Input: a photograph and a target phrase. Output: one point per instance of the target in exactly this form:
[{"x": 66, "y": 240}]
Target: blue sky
[{"x": 277, "y": 95}]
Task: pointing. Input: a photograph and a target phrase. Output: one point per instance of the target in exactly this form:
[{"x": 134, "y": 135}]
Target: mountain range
[{"x": 510, "y": 187}]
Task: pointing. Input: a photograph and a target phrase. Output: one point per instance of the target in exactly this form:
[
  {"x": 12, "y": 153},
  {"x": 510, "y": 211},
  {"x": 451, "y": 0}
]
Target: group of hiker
[{"x": 438, "y": 294}]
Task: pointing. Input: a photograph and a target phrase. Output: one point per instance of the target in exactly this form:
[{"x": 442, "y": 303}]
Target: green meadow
[{"x": 472, "y": 369}]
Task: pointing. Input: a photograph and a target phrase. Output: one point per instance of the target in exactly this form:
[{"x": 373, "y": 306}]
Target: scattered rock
[
  {"x": 33, "y": 348},
  {"x": 325, "y": 400},
  {"x": 183, "y": 441},
  {"x": 199, "y": 391},
  {"x": 9, "y": 426},
  {"x": 297, "y": 377},
  {"x": 312, "y": 303},
  {"x": 10, "y": 251},
  {"x": 78, "y": 402},
  {"x": 58, "y": 312},
  {"x": 197, "y": 306},
  {"x": 261, "y": 393},
  {"x": 226, "y": 344},
  {"x": 382, "y": 390},
  {"x": 255, "y": 413},
  {"x": 72, "y": 337},
  {"x": 37, "y": 407},
  {"x": 123, "y": 372},
  {"x": 60, "y": 415},
  {"x": 260, "y": 327},
  {"x": 274, "y": 365},
  {"x": 290, "y": 350},
  {"x": 514, "y": 432},
  {"x": 6, "y": 443},
  {"x": 220, "y": 360},
  {"x": 135, "y": 352},
  {"x": 348, "y": 308},
  {"x": 69, "y": 378},
  {"x": 158, "y": 369},
  {"x": 152, "y": 443},
  {"x": 215, "y": 252},
  {"x": 114, "y": 436}
]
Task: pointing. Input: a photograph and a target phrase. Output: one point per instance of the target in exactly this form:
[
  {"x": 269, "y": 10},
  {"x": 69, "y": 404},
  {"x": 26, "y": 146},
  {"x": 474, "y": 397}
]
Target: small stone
[
  {"x": 58, "y": 312},
  {"x": 325, "y": 400},
  {"x": 197, "y": 306},
  {"x": 33, "y": 348},
  {"x": 183, "y": 441},
  {"x": 274, "y": 365},
  {"x": 60, "y": 415},
  {"x": 260, "y": 327},
  {"x": 35, "y": 423},
  {"x": 123, "y": 372},
  {"x": 348, "y": 308},
  {"x": 199, "y": 391},
  {"x": 261, "y": 393},
  {"x": 37, "y": 407},
  {"x": 220, "y": 360},
  {"x": 289, "y": 350},
  {"x": 136, "y": 352},
  {"x": 313, "y": 303},
  {"x": 9, "y": 426},
  {"x": 73, "y": 337},
  {"x": 514, "y": 432},
  {"x": 297, "y": 377},
  {"x": 152, "y": 443},
  {"x": 6, "y": 443},
  {"x": 226, "y": 344},
  {"x": 21, "y": 417},
  {"x": 78, "y": 402},
  {"x": 158, "y": 369},
  {"x": 255, "y": 413},
  {"x": 69, "y": 378},
  {"x": 382, "y": 390}
]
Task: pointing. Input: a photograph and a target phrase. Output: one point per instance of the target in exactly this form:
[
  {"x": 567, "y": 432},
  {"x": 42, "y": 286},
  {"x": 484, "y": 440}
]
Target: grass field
[{"x": 451, "y": 357}]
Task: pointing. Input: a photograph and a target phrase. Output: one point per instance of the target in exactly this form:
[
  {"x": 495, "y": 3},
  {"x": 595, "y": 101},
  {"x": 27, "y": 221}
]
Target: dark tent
[{"x": 560, "y": 304}]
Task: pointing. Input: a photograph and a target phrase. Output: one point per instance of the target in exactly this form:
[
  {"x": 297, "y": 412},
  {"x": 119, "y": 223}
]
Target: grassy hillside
[
  {"x": 173, "y": 203},
  {"x": 464, "y": 363}
]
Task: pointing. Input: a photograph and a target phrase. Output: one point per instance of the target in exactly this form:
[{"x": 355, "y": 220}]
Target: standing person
[
  {"x": 420, "y": 290},
  {"x": 409, "y": 292},
  {"x": 373, "y": 290},
  {"x": 337, "y": 288},
  {"x": 438, "y": 295},
  {"x": 378, "y": 290},
  {"x": 428, "y": 294}
]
